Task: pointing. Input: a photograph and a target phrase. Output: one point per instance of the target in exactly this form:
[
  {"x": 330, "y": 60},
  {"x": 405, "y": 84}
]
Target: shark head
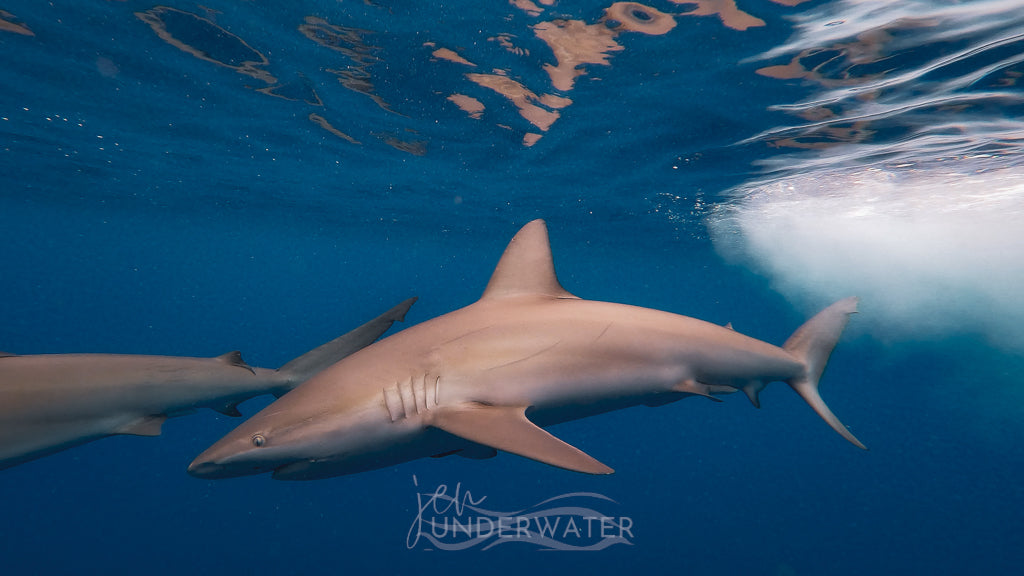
[
  {"x": 298, "y": 437},
  {"x": 257, "y": 446},
  {"x": 290, "y": 432}
]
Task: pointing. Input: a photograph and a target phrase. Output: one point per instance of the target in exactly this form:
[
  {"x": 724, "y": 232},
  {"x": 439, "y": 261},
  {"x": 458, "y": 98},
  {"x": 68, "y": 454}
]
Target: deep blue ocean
[{"x": 190, "y": 179}]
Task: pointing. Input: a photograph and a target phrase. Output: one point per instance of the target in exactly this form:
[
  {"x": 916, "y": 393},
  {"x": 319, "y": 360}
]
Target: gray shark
[
  {"x": 50, "y": 402},
  {"x": 490, "y": 376}
]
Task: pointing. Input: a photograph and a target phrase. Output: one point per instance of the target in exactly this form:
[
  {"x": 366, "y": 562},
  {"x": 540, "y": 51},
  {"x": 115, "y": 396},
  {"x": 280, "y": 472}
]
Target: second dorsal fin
[{"x": 234, "y": 358}]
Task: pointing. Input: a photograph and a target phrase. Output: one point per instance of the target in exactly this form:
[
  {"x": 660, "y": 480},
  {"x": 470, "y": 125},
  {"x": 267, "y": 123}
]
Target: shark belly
[{"x": 23, "y": 441}]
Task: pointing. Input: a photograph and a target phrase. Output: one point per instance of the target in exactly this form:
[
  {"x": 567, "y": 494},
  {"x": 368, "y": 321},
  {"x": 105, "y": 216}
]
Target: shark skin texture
[
  {"x": 492, "y": 375},
  {"x": 51, "y": 402}
]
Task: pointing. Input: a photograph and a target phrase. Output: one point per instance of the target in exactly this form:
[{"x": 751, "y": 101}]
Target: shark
[
  {"x": 491, "y": 376},
  {"x": 51, "y": 402}
]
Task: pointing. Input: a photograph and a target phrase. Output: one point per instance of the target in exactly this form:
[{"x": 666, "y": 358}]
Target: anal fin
[
  {"x": 507, "y": 428},
  {"x": 228, "y": 409}
]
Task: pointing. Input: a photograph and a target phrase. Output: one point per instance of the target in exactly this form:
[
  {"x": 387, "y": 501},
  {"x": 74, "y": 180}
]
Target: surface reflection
[
  {"x": 901, "y": 77},
  {"x": 575, "y": 48},
  {"x": 207, "y": 41}
]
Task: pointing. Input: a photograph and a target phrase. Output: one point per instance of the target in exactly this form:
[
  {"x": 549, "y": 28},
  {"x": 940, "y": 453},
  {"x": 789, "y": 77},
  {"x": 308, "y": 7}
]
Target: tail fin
[
  {"x": 812, "y": 343},
  {"x": 304, "y": 367}
]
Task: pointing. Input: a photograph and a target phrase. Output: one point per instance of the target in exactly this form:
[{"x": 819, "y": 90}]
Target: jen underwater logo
[{"x": 452, "y": 518}]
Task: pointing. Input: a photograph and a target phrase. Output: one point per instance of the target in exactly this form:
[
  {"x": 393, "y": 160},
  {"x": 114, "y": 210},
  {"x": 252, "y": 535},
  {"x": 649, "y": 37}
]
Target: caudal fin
[
  {"x": 304, "y": 367},
  {"x": 812, "y": 343}
]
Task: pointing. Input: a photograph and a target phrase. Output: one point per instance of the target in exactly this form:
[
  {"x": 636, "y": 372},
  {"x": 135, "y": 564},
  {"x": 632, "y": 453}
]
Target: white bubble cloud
[{"x": 931, "y": 250}]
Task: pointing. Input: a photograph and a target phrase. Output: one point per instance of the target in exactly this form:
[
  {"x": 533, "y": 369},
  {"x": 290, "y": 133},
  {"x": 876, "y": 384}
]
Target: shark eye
[{"x": 258, "y": 440}]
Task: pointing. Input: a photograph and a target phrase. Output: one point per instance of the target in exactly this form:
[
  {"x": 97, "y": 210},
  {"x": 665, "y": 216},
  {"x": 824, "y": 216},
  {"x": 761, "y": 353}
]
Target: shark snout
[
  {"x": 214, "y": 470},
  {"x": 210, "y": 467},
  {"x": 206, "y": 469},
  {"x": 222, "y": 461}
]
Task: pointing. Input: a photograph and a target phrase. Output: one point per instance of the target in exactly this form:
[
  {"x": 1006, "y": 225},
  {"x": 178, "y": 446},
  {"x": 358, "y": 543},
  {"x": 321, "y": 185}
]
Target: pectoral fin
[{"x": 507, "y": 428}]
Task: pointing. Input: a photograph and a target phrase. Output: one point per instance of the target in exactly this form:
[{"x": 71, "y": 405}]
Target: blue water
[{"x": 155, "y": 201}]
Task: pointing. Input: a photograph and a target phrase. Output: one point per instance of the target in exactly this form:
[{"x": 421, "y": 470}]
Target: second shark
[{"x": 50, "y": 402}]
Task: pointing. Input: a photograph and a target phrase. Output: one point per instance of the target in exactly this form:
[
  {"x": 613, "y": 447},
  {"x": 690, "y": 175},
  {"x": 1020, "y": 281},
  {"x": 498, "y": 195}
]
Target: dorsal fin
[
  {"x": 234, "y": 358},
  {"x": 526, "y": 267}
]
